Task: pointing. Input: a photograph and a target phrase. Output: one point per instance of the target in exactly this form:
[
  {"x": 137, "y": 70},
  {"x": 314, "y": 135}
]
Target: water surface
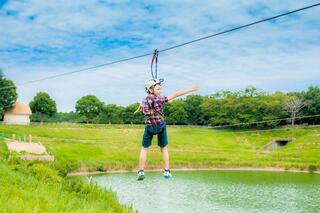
[{"x": 217, "y": 191}]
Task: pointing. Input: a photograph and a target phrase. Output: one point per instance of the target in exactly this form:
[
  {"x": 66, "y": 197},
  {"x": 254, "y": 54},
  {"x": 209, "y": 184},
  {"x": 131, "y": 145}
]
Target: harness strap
[
  {"x": 153, "y": 112},
  {"x": 154, "y": 59},
  {"x": 156, "y": 114}
]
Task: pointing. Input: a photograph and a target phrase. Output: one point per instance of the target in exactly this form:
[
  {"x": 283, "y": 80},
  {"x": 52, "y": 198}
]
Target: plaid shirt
[{"x": 152, "y": 107}]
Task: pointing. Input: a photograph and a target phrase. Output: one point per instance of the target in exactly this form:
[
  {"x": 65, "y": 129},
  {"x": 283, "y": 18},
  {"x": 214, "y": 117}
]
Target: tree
[
  {"x": 311, "y": 98},
  {"x": 43, "y": 105},
  {"x": 294, "y": 107},
  {"x": 176, "y": 113},
  {"x": 245, "y": 106},
  {"x": 194, "y": 110},
  {"x": 128, "y": 116},
  {"x": 89, "y": 106},
  {"x": 220, "y": 109},
  {"x": 271, "y": 108},
  {"x": 111, "y": 114},
  {"x": 8, "y": 94}
]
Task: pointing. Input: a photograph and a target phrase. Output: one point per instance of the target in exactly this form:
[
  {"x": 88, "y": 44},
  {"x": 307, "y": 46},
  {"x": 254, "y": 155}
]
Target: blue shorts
[{"x": 160, "y": 130}]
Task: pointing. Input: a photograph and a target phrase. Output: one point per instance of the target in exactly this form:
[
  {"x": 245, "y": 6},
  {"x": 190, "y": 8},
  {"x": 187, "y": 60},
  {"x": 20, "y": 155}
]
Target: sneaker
[
  {"x": 140, "y": 175},
  {"x": 167, "y": 174}
]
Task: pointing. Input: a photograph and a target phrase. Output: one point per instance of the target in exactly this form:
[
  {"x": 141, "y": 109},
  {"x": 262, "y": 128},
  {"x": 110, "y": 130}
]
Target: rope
[
  {"x": 276, "y": 129},
  {"x": 154, "y": 59},
  {"x": 259, "y": 122}
]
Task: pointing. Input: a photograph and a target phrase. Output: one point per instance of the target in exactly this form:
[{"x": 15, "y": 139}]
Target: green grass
[
  {"x": 43, "y": 187},
  {"x": 104, "y": 147},
  {"x": 38, "y": 187}
]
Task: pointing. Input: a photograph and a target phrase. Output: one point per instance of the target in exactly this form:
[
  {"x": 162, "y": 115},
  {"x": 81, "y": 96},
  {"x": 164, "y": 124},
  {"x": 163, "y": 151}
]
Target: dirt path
[
  {"x": 35, "y": 151},
  {"x": 25, "y": 146},
  {"x": 270, "y": 169}
]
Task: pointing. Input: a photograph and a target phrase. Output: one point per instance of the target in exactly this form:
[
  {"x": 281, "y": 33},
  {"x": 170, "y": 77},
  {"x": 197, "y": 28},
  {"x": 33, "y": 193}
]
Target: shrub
[{"x": 312, "y": 168}]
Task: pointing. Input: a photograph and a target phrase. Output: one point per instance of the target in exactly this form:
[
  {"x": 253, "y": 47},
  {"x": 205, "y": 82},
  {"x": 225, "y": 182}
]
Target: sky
[{"x": 44, "y": 38}]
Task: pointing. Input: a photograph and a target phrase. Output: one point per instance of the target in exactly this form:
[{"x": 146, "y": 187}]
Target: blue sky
[{"x": 43, "y": 38}]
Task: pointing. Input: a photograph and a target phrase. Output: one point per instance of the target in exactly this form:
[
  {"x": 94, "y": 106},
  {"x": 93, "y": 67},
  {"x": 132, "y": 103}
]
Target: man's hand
[
  {"x": 138, "y": 110},
  {"x": 194, "y": 88}
]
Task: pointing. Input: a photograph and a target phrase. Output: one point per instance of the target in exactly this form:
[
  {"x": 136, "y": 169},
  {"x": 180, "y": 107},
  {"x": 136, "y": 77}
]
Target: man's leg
[
  {"x": 146, "y": 142},
  {"x": 163, "y": 143},
  {"x": 165, "y": 157},
  {"x": 143, "y": 158}
]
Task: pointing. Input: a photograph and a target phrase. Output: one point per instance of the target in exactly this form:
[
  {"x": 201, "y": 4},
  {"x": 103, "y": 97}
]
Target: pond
[{"x": 217, "y": 191}]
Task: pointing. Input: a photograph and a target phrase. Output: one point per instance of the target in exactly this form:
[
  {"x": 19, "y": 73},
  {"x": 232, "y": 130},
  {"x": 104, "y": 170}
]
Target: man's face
[{"x": 157, "y": 90}]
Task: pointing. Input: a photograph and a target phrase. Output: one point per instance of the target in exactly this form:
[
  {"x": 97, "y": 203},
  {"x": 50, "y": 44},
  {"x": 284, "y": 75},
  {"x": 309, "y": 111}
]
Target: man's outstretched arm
[{"x": 183, "y": 92}]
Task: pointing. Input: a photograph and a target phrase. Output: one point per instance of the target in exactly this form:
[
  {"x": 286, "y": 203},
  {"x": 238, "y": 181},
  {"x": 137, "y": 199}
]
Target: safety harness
[
  {"x": 153, "y": 111},
  {"x": 154, "y": 59}
]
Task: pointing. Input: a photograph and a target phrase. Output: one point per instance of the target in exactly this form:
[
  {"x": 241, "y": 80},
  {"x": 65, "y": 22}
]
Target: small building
[{"x": 18, "y": 114}]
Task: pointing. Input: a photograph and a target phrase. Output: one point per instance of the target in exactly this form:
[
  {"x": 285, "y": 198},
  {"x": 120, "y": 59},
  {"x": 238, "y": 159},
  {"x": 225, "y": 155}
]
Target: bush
[{"x": 312, "y": 168}]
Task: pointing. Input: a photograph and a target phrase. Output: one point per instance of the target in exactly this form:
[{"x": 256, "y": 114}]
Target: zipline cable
[
  {"x": 277, "y": 129},
  {"x": 167, "y": 49},
  {"x": 240, "y": 27}
]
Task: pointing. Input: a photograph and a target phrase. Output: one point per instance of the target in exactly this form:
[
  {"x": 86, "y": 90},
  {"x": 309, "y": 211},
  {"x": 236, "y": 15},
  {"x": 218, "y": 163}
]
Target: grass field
[
  {"x": 38, "y": 187},
  {"x": 104, "y": 147},
  {"x": 43, "y": 187}
]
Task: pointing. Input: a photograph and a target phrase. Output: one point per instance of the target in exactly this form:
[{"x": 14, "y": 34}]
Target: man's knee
[
  {"x": 145, "y": 149},
  {"x": 163, "y": 149}
]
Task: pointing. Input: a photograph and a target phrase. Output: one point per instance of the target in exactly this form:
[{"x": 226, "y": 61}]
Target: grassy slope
[
  {"x": 37, "y": 187},
  {"x": 104, "y": 147}
]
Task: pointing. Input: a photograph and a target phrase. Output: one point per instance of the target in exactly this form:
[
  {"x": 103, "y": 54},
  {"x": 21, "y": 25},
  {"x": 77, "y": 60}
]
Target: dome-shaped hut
[{"x": 18, "y": 114}]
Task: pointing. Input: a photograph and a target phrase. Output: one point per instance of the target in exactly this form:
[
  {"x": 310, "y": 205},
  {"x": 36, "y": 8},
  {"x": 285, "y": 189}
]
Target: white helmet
[{"x": 150, "y": 83}]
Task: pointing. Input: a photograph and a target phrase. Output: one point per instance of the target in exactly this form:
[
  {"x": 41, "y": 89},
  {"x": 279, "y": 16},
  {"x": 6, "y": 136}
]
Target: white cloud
[{"x": 270, "y": 56}]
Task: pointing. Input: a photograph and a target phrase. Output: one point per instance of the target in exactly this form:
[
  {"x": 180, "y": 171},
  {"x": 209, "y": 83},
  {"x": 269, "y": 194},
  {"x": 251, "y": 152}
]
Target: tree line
[
  {"x": 249, "y": 105},
  {"x": 223, "y": 108}
]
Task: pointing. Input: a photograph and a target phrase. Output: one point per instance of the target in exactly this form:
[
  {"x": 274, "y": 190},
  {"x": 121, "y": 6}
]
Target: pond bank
[{"x": 87, "y": 171}]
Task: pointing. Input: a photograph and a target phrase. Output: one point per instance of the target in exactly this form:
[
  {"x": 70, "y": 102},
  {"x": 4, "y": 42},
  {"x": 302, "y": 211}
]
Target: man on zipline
[{"x": 152, "y": 108}]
